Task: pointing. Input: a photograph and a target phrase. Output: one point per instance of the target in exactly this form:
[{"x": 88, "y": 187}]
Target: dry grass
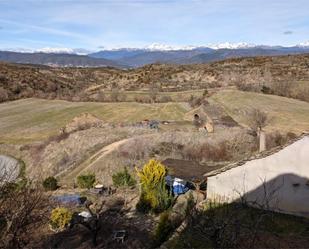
[
  {"x": 31, "y": 120},
  {"x": 284, "y": 114}
]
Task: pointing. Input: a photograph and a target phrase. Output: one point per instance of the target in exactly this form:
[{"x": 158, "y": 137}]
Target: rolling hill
[
  {"x": 22, "y": 81},
  {"x": 284, "y": 114},
  {"x": 56, "y": 60}
]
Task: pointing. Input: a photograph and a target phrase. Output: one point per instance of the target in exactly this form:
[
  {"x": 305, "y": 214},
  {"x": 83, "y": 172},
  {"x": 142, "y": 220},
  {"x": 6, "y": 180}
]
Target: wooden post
[{"x": 262, "y": 143}]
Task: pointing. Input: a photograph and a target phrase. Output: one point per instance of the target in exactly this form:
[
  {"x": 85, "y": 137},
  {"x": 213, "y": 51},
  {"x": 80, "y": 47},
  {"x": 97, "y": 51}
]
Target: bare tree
[
  {"x": 282, "y": 88},
  {"x": 153, "y": 92},
  {"x": 115, "y": 94},
  {"x": 3, "y": 95},
  {"x": 101, "y": 96},
  {"x": 23, "y": 208},
  {"x": 257, "y": 120},
  {"x": 93, "y": 223}
]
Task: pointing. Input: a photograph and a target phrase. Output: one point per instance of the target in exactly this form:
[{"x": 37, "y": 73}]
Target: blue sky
[{"x": 93, "y": 24}]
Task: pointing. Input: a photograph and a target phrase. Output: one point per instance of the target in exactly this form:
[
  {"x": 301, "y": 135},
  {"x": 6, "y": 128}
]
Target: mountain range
[{"x": 156, "y": 53}]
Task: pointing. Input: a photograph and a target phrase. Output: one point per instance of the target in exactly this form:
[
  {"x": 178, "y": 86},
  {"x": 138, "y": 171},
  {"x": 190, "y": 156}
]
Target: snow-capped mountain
[
  {"x": 79, "y": 51},
  {"x": 165, "y": 47},
  {"x": 153, "y": 53},
  {"x": 228, "y": 45},
  {"x": 50, "y": 50},
  {"x": 303, "y": 44}
]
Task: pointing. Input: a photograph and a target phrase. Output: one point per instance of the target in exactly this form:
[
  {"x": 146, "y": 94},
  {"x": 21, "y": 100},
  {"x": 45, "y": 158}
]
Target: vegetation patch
[
  {"x": 50, "y": 183},
  {"x": 60, "y": 218},
  {"x": 86, "y": 181},
  {"x": 154, "y": 193},
  {"x": 123, "y": 178}
]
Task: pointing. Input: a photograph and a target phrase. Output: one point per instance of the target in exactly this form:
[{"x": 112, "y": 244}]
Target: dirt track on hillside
[{"x": 88, "y": 163}]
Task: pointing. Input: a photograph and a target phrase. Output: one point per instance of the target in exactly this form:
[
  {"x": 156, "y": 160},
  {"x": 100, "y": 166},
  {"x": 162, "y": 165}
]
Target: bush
[
  {"x": 123, "y": 178},
  {"x": 60, "y": 218},
  {"x": 197, "y": 101},
  {"x": 266, "y": 90},
  {"x": 3, "y": 94},
  {"x": 154, "y": 192},
  {"x": 143, "y": 205},
  {"x": 165, "y": 99},
  {"x": 142, "y": 99},
  {"x": 86, "y": 181},
  {"x": 50, "y": 183},
  {"x": 163, "y": 229},
  {"x": 275, "y": 139}
]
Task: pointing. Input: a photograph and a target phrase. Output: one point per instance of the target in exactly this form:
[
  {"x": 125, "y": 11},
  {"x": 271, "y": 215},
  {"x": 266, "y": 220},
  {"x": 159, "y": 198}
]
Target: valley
[{"x": 68, "y": 124}]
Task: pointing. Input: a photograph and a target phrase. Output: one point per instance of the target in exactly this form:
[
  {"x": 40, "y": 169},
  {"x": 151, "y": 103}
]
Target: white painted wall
[{"x": 278, "y": 174}]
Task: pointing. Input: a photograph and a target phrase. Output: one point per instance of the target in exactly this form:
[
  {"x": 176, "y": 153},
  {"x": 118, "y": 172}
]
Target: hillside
[
  {"x": 20, "y": 81},
  {"x": 36, "y": 119},
  {"x": 285, "y": 114},
  {"x": 59, "y": 60}
]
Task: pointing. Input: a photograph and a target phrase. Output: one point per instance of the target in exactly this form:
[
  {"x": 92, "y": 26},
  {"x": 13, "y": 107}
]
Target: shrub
[
  {"x": 123, "y": 178},
  {"x": 86, "y": 181},
  {"x": 163, "y": 229},
  {"x": 60, "y": 218},
  {"x": 142, "y": 99},
  {"x": 143, "y": 205},
  {"x": 197, "y": 101},
  {"x": 275, "y": 139},
  {"x": 205, "y": 92},
  {"x": 3, "y": 95},
  {"x": 50, "y": 183},
  {"x": 266, "y": 90},
  {"x": 282, "y": 88},
  {"x": 153, "y": 187},
  {"x": 165, "y": 99}
]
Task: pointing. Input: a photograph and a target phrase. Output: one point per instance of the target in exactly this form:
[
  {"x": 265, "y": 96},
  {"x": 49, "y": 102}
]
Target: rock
[{"x": 180, "y": 208}]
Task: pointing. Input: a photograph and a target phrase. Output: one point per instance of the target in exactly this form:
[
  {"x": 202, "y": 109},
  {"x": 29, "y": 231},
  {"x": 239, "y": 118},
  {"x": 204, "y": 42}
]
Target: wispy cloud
[
  {"x": 120, "y": 23},
  {"x": 288, "y": 32}
]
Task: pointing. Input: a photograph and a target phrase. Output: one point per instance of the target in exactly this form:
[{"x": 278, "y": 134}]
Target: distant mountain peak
[
  {"x": 304, "y": 44},
  {"x": 164, "y": 47},
  {"x": 57, "y": 50},
  {"x": 51, "y": 50},
  {"x": 229, "y": 45}
]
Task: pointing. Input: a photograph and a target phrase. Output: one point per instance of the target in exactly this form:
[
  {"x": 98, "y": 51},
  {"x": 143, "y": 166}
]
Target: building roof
[
  {"x": 187, "y": 170},
  {"x": 258, "y": 156}
]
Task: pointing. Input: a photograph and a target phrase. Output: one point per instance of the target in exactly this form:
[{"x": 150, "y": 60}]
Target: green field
[
  {"x": 35, "y": 119},
  {"x": 285, "y": 114},
  {"x": 31, "y": 120}
]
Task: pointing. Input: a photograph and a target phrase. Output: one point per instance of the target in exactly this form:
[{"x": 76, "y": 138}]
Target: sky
[{"x": 98, "y": 24}]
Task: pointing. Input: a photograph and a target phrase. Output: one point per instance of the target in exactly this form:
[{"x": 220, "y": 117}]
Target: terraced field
[
  {"x": 285, "y": 114},
  {"x": 35, "y": 119},
  {"x": 29, "y": 120}
]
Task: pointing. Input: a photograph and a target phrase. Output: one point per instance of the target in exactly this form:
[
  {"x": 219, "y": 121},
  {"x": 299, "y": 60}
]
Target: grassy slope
[
  {"x": 175, "y": 96},
  {"x": 285, "y": 114},
  {"x": 35, "y": 119}
]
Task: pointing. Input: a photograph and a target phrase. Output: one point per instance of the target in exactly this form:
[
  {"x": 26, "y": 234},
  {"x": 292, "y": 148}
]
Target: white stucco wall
[{"x": 284, "y": 175}]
